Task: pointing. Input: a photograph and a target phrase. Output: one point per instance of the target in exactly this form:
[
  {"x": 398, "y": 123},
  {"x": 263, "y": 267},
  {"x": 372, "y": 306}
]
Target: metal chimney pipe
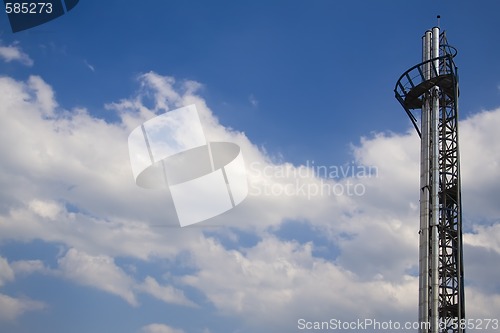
[
  {"x": 425, "y": 190},
  {"x": 434, "y": 223}
]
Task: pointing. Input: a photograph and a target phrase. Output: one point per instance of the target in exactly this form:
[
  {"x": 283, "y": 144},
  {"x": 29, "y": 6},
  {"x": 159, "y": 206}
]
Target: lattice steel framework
[{"x": 432, "y": 88}]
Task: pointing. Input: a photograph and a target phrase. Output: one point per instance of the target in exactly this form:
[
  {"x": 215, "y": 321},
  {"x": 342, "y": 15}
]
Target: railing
[
  {"x": 424, "y": 76},
  {"x": 418, "y": 75}
]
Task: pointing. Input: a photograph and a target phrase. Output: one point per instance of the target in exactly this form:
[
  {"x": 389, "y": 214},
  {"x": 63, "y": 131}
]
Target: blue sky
[
  {"x": 83, "y": 249},
  {"x": 335, "y": 57}
]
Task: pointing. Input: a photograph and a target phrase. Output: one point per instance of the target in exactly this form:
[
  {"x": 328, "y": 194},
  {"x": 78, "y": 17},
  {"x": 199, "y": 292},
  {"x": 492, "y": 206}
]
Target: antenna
[{"x": 439, "y": 19}]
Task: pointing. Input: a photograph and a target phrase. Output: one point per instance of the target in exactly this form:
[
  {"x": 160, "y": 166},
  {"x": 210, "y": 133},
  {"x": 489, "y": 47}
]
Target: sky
[{"x": 301, "y": 87}]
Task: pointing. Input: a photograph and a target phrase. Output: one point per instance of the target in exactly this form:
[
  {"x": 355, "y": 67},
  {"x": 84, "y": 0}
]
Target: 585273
[{"x": 28, "y": 7}]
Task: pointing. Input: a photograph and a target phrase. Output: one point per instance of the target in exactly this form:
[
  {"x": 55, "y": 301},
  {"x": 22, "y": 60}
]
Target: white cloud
[
  {"x": 89, "y": 66},
  {"x": 253, "y": 101},
  {"x": 44, "y": 95},
  {"x": 11, "y": 308},
  {"x": 160, "y": 328},
  {"x": 480, "y": 157},
  {"x": 76, "y": 159},
  {"x": 99, "y": 272},
  {"x": 6, "y": 272},
  {"x": 168, "y": 294},
  {"x": 45, "y": 209},
  {"x": 14, "y": 53},
  {"x": 280, "y": 282},
  {"x": 27, "y": 267},
  {"x": 485, "y": 236},
  {"x": 481, "y": 305}
]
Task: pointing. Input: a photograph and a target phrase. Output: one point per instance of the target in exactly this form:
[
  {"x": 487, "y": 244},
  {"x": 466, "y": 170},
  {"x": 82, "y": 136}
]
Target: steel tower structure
[{"x": 432, "y": 88}]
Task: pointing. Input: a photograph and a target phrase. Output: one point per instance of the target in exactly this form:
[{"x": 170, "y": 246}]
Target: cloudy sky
[{"x": 301, "y": 87}]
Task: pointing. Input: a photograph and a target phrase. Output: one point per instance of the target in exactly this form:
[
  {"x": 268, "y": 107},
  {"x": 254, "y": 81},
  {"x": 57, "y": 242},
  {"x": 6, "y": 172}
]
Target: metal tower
[{"x": 432, "y": 88}]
